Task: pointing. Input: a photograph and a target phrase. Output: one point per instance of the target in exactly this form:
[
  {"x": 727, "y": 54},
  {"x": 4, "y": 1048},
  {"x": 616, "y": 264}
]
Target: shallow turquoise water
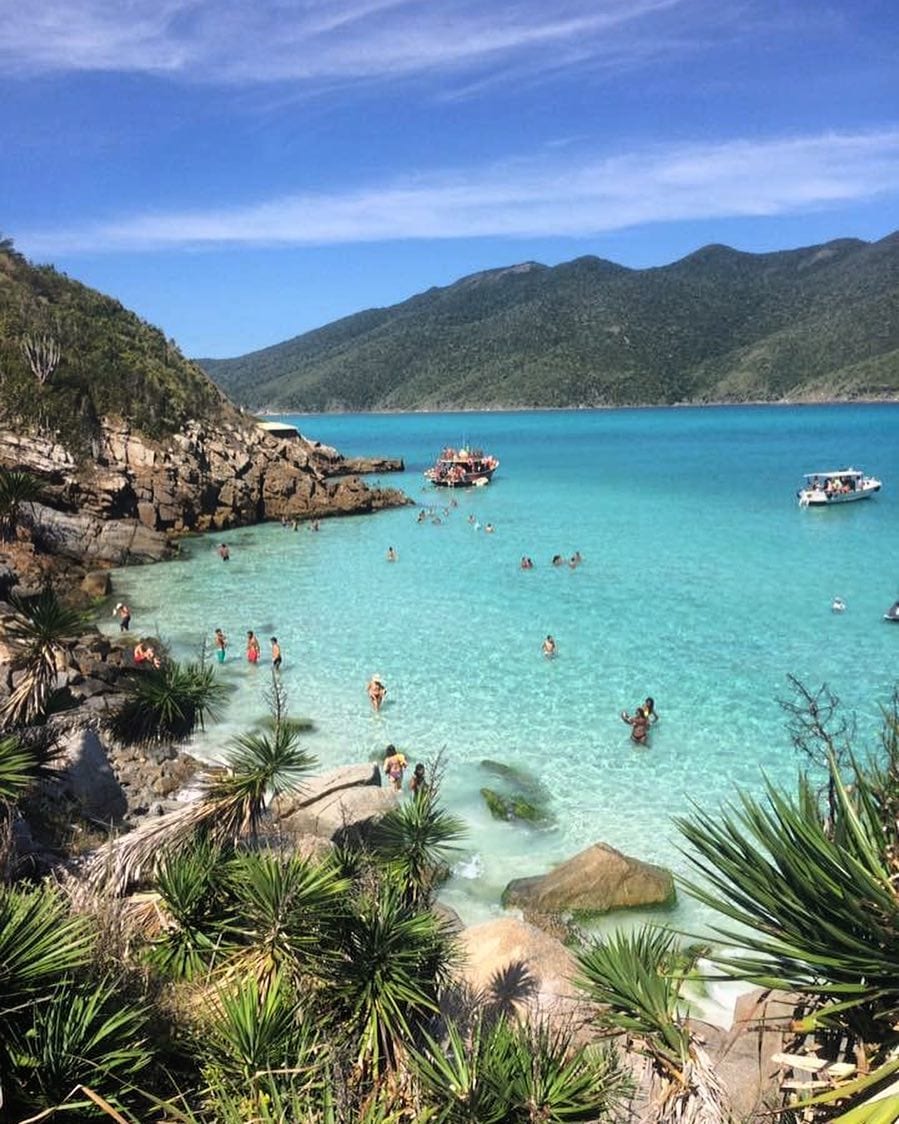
[{"x": 703, "y": 584}]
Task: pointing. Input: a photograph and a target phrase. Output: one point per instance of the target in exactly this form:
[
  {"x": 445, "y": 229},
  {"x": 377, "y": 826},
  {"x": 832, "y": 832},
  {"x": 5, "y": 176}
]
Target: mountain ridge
[{"x": 719, "y": 324}]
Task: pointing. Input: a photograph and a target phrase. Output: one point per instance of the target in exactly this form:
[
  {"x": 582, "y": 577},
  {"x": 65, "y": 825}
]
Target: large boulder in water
[{"x": 595, "y": 881}]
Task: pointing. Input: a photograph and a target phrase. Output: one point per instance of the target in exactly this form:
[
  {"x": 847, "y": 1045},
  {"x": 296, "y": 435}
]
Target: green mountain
[
  {"x": 719, "y": 325},
  {"x": 70, "y": 355}
]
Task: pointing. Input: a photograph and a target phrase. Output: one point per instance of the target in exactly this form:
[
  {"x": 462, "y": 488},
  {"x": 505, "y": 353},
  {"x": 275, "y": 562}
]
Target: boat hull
[
  {"x": 466, "y": 480},
  {"x": 814, "y": 498}
]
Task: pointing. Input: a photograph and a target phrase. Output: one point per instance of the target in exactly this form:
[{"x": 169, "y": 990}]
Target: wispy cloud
[
  {"x": 530, "y": 198},
  {"x": 327, "y": 41}
]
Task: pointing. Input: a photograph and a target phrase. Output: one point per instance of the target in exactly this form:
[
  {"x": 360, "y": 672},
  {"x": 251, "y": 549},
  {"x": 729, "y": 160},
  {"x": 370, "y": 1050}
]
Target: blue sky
[{"x": 240, "y": 171}]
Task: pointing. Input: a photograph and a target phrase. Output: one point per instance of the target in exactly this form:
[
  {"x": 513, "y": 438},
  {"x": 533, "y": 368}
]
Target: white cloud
[
  {"x": 530, "y": 198},
  {"x": 323, "y": 41}
]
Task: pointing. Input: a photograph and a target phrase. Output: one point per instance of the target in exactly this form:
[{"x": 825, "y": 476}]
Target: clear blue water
[{"x": 703, "y": 584}]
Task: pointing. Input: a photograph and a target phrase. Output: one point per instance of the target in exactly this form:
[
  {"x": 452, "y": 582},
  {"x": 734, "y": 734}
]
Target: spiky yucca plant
[
  {"x": 17, "y": 489},
  {"x": 285, "y": 908},
  {"x": 813, "y": 902},
  {"x": 416, "y": 840},
  {"x": 39, "y": 632},
  {"x": 230, "y": 807},
  {"x": 166, "y": 704},
  {"x": 389, "y": 962},
  {"x": 634, "y": 979},
  {"x": 81, "y": 1035},
  {"x": 191, "y": 883},
  {"x": 508, "y": 1072}
]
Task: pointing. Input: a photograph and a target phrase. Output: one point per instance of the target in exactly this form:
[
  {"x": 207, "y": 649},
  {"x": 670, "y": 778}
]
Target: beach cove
[{"x": 703, "y": 584}]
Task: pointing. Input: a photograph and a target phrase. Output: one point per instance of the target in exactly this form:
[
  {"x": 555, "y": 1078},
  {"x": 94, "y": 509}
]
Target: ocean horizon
[{"x": 703, "y": 584}]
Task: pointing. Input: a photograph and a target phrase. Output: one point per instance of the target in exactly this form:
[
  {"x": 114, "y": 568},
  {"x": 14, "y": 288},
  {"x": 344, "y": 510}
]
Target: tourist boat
[
  {"x": 462, "y": 468},
  {"x": 843, "y": 485},
  {"x": 892, "y": 614}
]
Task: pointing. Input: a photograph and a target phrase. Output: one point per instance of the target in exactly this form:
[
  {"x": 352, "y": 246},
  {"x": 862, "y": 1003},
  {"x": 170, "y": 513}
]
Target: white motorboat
[
  {"x": 842, "y": 485},
  {"x": 892, "y": 614}
]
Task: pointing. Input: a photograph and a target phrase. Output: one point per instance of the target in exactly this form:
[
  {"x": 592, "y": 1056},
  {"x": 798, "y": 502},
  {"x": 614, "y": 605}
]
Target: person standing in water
[
  {"x": 124, "y": 615},
  {"x": 253, "y": 649},
  {"x": 220, "y": 645},
  {"x": 276, "y": 653},
  {"x": 418, "y": 784},
  {"x": 639, "y": 725},
  {"x": 376, "y": 692},
  {"x": 395, "y": 766},
  {"x": 391, "y": 554},
  {"x": 224, "y": 552},
  {"x": 549, "y": 648}
]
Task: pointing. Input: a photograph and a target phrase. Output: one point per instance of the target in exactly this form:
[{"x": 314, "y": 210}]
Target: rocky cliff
[{"x": 134, "y": 494}]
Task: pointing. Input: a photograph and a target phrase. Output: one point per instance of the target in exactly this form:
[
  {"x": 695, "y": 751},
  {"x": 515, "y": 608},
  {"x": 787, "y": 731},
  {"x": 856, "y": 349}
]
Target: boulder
[
  {"x": 522, "y": 968},
  {"x": 317, "y": 788},
  {"x": 595, "y": 881},
  {"x": 742, "y": 1057},
  {"x": 345, "y": 815},
  {"x": 97, "y": 583},
  {"x": 88, "y": 777}
]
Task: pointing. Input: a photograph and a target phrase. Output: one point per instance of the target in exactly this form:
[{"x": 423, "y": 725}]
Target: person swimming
[{"x": 549, "y": 647}]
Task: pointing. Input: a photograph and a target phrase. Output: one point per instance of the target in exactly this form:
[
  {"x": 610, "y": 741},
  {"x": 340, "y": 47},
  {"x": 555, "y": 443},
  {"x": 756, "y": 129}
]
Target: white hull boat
[{"x": 842, "y": 485}]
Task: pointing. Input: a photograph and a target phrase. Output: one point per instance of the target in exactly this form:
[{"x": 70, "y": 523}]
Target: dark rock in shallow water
[
  {"x": 514, "y": 807},
  {"x": 594, "y": 881}
]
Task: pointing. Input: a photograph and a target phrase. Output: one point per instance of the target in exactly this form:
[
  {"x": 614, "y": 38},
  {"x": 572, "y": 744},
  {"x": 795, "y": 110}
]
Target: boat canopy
[{"x": 834, "y": 472}]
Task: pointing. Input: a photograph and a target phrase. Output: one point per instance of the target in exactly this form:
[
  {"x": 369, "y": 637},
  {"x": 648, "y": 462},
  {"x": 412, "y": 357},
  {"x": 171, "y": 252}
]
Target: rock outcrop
[
  {"x": 341, "y": 805},
  {"x": 123, "y": 502},
  {"x": 522, "y": 969},
  {"x": 595, "y": 881}
]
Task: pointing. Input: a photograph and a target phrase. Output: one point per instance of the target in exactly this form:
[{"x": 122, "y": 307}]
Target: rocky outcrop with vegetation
[{"x": 130, "y": 442}]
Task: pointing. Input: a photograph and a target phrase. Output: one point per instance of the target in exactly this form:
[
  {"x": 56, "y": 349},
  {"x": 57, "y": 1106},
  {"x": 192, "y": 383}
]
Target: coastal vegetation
[
  {"x": 811, "y": 324},
  {"x": 70, "y": 356},
  {"x": 221, "y": 973}
]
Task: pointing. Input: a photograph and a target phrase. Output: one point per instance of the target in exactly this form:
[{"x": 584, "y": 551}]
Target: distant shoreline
[{"x": 780, "y": 403}]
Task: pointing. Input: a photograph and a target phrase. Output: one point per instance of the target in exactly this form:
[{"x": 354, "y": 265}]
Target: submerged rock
[{"x": 519, "y": 795}]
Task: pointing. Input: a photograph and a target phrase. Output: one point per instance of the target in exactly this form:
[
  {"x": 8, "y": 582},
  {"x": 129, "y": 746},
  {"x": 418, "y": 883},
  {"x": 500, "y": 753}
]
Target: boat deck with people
[
  {"x": 842, "y": 485},
  {"x": 462, "y": 468}
]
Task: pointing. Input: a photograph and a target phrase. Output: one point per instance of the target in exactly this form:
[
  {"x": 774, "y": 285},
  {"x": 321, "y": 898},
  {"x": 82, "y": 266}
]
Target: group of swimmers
[
  {"x": 254, "y": 649},
  {"x": 643, "y": 717}
]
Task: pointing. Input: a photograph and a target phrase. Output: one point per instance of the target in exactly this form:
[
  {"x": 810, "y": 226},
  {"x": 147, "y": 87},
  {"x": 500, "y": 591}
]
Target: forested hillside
[
  {"x": 719, "y": 325},
  {"x": 70, "y": 355}
]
